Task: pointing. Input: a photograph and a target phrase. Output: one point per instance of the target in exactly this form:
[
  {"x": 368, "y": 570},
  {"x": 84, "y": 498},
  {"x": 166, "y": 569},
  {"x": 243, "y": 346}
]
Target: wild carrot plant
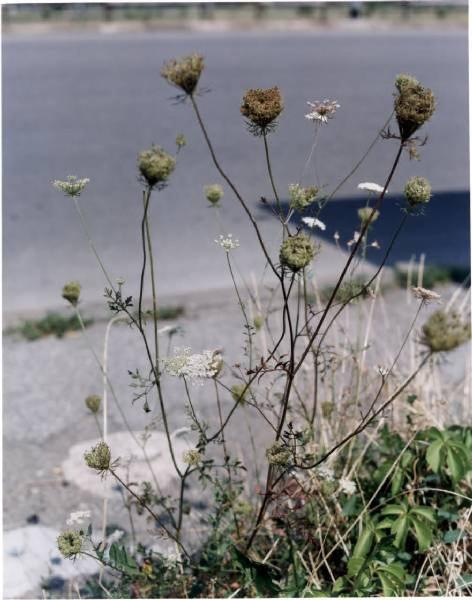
[{"x": 360, "y": 491}]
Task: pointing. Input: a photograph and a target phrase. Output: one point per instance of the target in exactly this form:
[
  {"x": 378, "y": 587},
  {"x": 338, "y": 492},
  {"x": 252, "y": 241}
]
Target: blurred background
[{"x": 82, "y": 95}]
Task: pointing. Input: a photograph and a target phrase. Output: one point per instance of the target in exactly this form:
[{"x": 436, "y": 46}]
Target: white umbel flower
[
  {"x": 347, "y": 486},
  {"x": 227, "y": 243},
  {"x": 78, "y": 517},
  {"x": 311, "y": 222},
  {"x": 355, "y": 239},
  {"x": 72, "y": 186},
  {"x": 375, "y": 188},
  {"x": 325, "y": 473},
  {"x": 322, "y": 111},
  {"x": 192, "y": 366}
]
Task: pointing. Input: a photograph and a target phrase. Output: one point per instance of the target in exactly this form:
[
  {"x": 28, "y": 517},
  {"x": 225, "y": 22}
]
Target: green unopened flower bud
[
  {"x": 297, "y": 252},
  {"x": 72, "y": 187},
  {"x": 71, "y": 292},
  {"x": 185, "y": 72},
  {"x": 258, "y": 322},
  {"x": 98, "y": 457},
  {"x": 365, "y": 214},
  {"x": 403, "y": 80},
  {"x": 262, "y": 107},
  {"x": 155, "y": 165},
  {"x": 300, "y": 197},
  {"x": 445, "y": 331},
  {"x": 417, "y": 190},
  {"x": 69, "y": 543},
  {"x": 414, "y": 105},
  {"x": 180, "y": 141},
  {"x": 278, "y": 454},
  {"x": 93, "y": 403},
  {"x": 192, "y": 457},
  {"x": 213, "y": 193},
  {"x": 239, "y": 391}
]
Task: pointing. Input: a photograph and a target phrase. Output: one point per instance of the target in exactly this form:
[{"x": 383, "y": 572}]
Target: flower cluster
[
  {"x": 322, "y": 111},
  {"x": 417, "y": 191},
  {"x": 213, "y": 193},
  {"x": 71, "y": 292},
  {"x": 414, "y": 105},
  {"x": 78, "y": 517},
  {"x": 184, "y": 73},
  {"x": 227, "y": 243},
  {"x": 262, "y": 107},
  {"x": 193, "y": 366},
  {"x": 367, "y": 215},
  {"x": 155, "y": 165},
  {"x": 347, "y": 486},
  {"x": 368, "y": 186},
  {"x": 70, "y": 543},
  {"x": 445, "y": 331},
  {"x": 297, "y": 252},
  {"x": 300, "y": 197},
  {"x": 93, "y": 403},
  {"x": 325, "y": 472},
  {"x": 98, "y": 457},
  {"x": 192, "y": 457},
  {"x": 72, "y": 187},
  {"x": 311, "y": 222},
  {"x": 278, "y": 454}
]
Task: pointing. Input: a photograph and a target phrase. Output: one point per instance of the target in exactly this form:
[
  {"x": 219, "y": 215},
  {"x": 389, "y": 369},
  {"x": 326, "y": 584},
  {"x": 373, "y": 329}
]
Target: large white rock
[
  {"x": 31, "y": 554},
  {"x": 133, "y": 465}
]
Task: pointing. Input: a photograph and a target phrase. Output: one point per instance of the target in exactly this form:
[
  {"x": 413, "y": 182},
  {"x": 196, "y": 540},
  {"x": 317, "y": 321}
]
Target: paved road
[{"x": 86, "y": 104}]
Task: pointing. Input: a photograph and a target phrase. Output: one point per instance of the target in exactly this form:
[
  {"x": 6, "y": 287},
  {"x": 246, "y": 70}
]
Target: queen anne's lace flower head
[
  {"x": 194, "y": 367},
  {"x": 347, "y": 486},
  {"x": 227, "y": 243},
  {"x": 311, "y": 222},
  {"x": 368, "y": 186},
  {"x": 72, "y": 187},
  {"x": 322, "y": 111}
]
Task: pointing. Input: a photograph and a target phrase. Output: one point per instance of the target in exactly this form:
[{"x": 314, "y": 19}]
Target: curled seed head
[
  {"x": 69, "y": 543},
  {"x": 93, "y": 403},
  {"x": 213, "y": 193},
  {"x": 98, "y": 457},
  {"x": 71, "y": 292},
  {"x": 365, "y": 214},
  {"x": 261, "y": 107},
  {"x": 155, "y": 165},
  {"x": 414, "y": 105},
  {"x": 278, "y": 454},
  {"x": 417, "y": 191},
  {"x": 184, "y": 72},
  {"x": 297, "y": 252},
  {"x": 300, "y": 197}
]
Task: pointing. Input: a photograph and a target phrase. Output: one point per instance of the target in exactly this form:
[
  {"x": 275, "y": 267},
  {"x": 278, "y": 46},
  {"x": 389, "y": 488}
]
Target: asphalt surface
[{"x": 86, "y": 104}]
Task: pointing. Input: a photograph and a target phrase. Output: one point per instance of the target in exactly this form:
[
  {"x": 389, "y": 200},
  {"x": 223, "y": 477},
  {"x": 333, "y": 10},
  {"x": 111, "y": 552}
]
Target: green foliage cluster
[
  {"x": 412, "y": 497},
  {"x": 52, "y": 324}
]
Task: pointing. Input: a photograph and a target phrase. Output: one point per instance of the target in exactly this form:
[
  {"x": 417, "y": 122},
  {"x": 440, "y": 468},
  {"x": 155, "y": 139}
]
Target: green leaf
[
  {"x": 354, "y": 565},
  {"x": 350, "y": 506},
  {"x": 433, "y": 455},
  {"x": 339, "y": 584},
  {"x": 453, "y": 535},
  {"x": 397, "y": 481},
  {"x": 393, "y": 509},
  {"x": 455, "y": 464},
  {"x": 423, "y": 533},
  {"x": 425, "y": 513},
  {"x": 400, "y": 528},
  {"x": 363, "y": 544}
]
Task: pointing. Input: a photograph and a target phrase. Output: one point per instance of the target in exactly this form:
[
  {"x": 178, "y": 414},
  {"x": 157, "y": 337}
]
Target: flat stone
[
  {"x": 132, "y": 466},
  {"x": 31, "y": 555}
]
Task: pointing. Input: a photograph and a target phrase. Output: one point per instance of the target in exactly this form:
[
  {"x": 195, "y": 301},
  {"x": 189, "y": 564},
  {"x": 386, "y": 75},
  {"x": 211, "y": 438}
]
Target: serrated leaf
[
  {"x": 433, "y": 455},
  {"x": 393, "y": 509}
]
